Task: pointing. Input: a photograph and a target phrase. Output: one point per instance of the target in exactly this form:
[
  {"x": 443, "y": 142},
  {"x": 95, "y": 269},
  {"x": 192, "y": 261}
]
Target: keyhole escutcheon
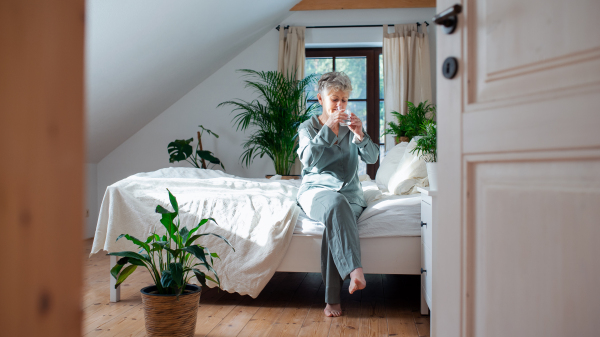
[{"x": 450, "y": 67}]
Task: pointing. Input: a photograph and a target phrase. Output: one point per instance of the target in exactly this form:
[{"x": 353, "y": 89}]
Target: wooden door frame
[{"x": 41, "y": 176}]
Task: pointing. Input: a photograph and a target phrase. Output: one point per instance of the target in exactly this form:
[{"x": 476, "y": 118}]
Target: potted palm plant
[
  {"x": 171, "y": 304},
  {"x": 410, "y": 125},
  {"x": 427, "y": 149},
  {"x": 281, "y": 106}
]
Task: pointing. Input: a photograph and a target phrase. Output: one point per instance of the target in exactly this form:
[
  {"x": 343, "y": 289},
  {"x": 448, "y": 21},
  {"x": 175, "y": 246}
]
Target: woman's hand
[
  {"x": 356, "y": 126},
  {"x": 335, "y": 118}
]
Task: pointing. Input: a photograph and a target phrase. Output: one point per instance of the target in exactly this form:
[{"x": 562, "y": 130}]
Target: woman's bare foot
[
  {"x": 333, "y": 310},
  {"x": 357, "y": 280}
]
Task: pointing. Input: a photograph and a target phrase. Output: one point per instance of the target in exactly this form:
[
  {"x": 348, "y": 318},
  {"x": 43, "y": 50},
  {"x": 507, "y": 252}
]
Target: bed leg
[
  {"x": 115, "y": 294},
  {"x": 424, "y": 307}
]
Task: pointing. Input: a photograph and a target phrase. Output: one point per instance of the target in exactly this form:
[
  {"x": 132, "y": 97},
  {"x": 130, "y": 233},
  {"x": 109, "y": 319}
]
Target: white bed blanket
[
  {"x": 257, "y": 217},
  {"x": 385, "y": 216}
]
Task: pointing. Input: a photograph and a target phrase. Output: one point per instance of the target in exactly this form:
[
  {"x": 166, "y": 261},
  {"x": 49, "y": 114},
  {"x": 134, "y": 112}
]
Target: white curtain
[
  {"x": 406, "y": 70},
  {"x": 292, "y": 56}
]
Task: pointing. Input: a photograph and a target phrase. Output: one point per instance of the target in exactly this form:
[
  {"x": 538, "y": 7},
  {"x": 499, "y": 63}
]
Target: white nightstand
[{"x": 428, "y": 220}]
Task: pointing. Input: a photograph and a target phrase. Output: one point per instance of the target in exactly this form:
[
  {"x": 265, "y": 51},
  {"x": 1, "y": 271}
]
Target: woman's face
[{"x": 332, "y": 100}]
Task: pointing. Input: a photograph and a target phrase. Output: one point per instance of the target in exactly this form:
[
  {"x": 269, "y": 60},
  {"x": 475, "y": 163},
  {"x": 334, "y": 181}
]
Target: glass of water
[{"x": 345, "y": 122}]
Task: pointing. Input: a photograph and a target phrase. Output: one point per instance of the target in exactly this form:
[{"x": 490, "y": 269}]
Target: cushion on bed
[
  {"x": 410, "y": 173},
  {"x": 389, "y": 164}
]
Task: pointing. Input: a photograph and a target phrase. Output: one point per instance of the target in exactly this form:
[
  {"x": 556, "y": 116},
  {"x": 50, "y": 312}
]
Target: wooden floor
[{"x": 290, "y": 305}]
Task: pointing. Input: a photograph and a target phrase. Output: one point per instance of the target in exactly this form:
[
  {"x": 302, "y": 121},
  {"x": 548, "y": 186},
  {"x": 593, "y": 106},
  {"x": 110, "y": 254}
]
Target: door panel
[
  {"x": 520, "y": 48},
  {"x": 533, "y": 248},
  {"x": 516, "y": 250}
]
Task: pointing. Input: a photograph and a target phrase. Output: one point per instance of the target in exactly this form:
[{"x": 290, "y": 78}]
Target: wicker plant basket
[{"x": 165, "y": 316}]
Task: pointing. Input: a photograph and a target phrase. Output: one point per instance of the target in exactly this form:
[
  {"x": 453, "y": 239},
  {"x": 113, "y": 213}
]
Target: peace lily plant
[{"x": 172, "y": 259}]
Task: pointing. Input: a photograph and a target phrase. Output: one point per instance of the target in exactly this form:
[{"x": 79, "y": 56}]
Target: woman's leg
[
  {"x": 357, "y": 277},
  {"x": 340, "y": 249}
]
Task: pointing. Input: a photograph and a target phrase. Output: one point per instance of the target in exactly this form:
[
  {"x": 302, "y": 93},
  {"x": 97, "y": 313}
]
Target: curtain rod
[{"x": 353, "y": 26}]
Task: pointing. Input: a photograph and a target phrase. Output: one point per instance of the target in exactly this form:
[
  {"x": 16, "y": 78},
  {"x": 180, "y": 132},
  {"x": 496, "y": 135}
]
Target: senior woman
[{"x": 330, "y": 192}]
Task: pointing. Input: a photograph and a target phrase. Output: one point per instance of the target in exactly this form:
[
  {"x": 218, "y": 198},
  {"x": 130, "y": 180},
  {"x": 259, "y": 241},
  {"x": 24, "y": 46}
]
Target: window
[{"x": 364, "y": 66}]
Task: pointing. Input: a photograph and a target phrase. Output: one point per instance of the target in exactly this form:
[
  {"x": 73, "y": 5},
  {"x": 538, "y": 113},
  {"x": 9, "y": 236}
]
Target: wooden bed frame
[{"x": 384, "y": 255}]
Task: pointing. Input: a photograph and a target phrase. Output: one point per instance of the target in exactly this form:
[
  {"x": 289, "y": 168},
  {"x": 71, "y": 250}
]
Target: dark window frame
[{"x": 373, "y": 97}]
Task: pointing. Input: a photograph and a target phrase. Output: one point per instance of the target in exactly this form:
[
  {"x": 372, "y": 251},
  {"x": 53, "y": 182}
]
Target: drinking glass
[{"x": 347, "y": 121}]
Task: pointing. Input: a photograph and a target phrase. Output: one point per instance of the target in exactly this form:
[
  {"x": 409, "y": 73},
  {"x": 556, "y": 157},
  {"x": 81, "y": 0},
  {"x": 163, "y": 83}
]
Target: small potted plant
[
  {"x": 180, "y": 149},
  {"x": 427, "y": 149},
  {"x": 397, "y": 130},
  {"x": 171, "y": 304},
  {"x": 410, "y": 125},
  {"x": 274, "y": 117}
]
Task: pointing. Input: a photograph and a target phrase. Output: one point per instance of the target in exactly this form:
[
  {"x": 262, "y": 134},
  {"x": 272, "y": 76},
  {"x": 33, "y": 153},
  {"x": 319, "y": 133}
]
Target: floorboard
[{"x": 290, "y": 305}]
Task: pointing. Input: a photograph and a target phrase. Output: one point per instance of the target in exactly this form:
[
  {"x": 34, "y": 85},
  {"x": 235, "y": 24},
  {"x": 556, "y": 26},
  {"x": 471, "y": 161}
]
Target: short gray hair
[{"x": 335, "y": 80}]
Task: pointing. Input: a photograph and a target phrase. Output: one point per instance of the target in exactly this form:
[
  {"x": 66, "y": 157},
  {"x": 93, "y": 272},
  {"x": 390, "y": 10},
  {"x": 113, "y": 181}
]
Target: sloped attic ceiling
[{"x": 143, "y": 55}]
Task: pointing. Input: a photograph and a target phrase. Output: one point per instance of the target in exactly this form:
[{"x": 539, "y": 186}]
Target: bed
[{"x": 389, "y": 228}]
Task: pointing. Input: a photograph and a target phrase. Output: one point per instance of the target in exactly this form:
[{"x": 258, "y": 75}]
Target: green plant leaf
[
  {"x": 150, "y": 238},
  {"x": 184, "y": 232},
  {"x": 200, "y": 276},
  {"x": 162, "y": 210},
  {"x": 176, "y": 270},
  {"x": 173, "y": 202},
  {"x": 125, "y": 274},
  {"x": 211, "y": 279},
  {"x": 217, "y": 235},
  {"x": 167, "y": 221},
  {"x": 137, "y": 262},
  {"x": 197, "y": 251},
  {"x": 207, "y": 155},
  {"x": 114, "y": 271},
  {"x": 135, "y": 240},
  {"x": 130, "y": 254},
  {"x": 166, "y": 280},
  {"x": 180, "y": 150}
]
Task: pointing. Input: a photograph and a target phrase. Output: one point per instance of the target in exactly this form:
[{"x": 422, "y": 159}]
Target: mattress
[{"x": 388, "y": 215}]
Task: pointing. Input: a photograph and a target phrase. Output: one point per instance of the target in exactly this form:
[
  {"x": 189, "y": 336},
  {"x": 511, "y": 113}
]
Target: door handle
[
  {"x": 423, "y": 271},
  {"x": 423, "y": 223},
  {"x": 448, "y": 18}
]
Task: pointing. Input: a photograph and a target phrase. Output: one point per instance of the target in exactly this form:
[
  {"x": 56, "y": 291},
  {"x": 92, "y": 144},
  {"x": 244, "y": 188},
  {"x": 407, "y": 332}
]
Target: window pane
[
  {"x": 356, "y": 69},
  {"x": 382, "y": 124},
  {"x": 319, "y": 66},
  {"x": 380, "y": 76}
]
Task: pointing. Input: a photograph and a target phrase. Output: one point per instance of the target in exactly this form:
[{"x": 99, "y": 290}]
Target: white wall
[
  {"x": 147, "y": 149},
  {"x": 90, "y": 212}
]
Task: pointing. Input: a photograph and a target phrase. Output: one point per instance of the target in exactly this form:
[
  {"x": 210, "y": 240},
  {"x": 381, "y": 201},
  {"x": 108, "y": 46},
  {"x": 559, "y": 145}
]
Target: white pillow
[
  {"x": 389, "y": 164},
  {"x": 410, "y": 172},
  {"x": 370, "y": 191}
]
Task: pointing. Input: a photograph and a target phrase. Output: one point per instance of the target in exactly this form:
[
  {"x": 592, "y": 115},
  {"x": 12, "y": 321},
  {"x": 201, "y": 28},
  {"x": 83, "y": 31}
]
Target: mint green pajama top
[{"x": 331, "y": 162}]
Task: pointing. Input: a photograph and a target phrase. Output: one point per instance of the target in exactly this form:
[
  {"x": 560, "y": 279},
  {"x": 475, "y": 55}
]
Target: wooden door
[
  {"x": 41, "y": 167},
  {"x": 517, "y": 248}
]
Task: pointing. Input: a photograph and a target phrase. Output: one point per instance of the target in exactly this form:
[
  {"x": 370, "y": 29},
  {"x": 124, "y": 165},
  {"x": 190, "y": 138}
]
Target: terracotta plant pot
[
  {"x": 290, "y": 177},
  {"x": 402, "y": 140},
  {"x": 164, "y": 315}
]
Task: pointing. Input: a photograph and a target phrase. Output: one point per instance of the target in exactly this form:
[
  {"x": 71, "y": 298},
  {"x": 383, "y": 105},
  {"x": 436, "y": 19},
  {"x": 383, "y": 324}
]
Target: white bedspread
[
  {"x": 257, "y": 216},
  {"x": 385, "y": 216}
]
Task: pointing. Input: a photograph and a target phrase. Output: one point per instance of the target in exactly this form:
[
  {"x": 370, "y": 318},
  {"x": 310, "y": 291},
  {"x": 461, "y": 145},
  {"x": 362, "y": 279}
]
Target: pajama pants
[{"x": 340, "y": 249}]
